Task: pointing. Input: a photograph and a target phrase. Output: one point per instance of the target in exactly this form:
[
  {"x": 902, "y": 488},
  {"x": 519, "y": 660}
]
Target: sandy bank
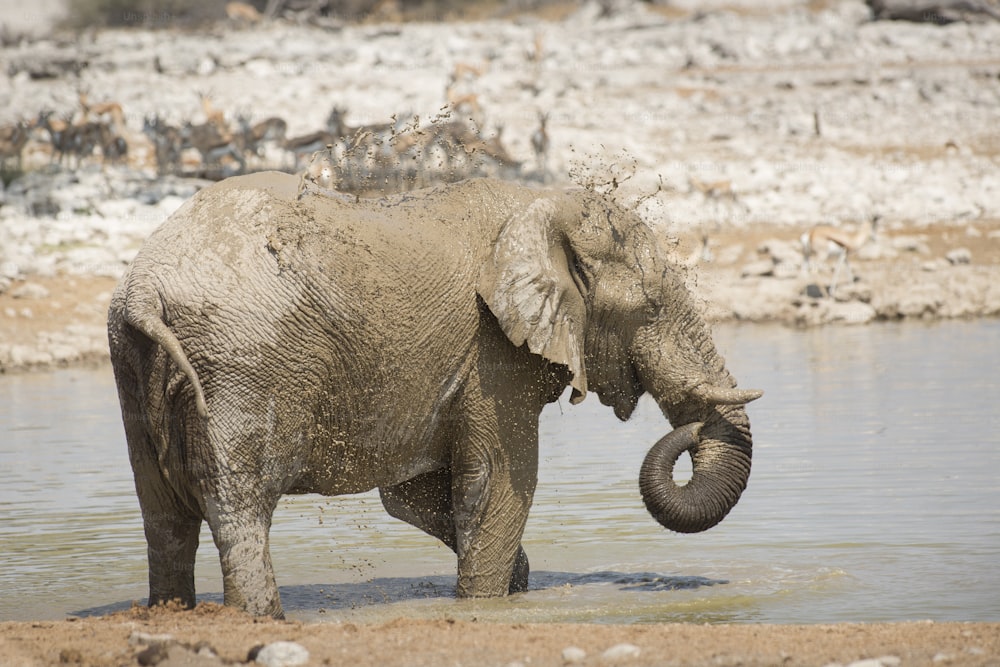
[{"x": 224, "y": 636}]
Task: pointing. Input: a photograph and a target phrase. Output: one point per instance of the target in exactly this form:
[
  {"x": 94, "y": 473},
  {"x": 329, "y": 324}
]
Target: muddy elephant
[{"x": 268, "y": 342}]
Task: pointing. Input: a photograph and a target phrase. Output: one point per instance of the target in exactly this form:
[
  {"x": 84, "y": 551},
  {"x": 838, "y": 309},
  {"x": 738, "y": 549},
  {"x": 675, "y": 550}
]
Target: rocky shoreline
[
  {"x": 53, "y": 304},
  {"x": 55, "y": 321},
  {"x": 732, "y": 128}
]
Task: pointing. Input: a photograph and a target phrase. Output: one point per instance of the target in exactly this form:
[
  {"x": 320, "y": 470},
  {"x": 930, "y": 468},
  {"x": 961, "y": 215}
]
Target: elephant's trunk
[{"x": 720, "y": 452}]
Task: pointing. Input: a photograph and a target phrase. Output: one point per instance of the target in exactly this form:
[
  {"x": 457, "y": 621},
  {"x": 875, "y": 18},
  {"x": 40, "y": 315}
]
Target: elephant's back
[
  {"x": 221, "y": 218},
  {"x": 210, "y": 261}
]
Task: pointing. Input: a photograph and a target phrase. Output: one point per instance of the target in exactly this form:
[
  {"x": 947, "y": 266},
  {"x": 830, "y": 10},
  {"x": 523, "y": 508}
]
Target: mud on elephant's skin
[{"x": 266, "y": 344}]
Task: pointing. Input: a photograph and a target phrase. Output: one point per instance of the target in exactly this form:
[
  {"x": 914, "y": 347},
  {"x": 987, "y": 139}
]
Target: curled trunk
[{"x": 720, "y": 452}]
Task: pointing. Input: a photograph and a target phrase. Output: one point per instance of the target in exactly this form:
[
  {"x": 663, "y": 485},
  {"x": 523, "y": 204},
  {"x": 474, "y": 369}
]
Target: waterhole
[{"x": 874, "y": 496}]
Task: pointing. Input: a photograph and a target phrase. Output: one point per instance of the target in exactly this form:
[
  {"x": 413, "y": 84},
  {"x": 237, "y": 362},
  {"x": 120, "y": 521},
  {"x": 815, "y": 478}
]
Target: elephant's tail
[{"x": 144, "y": 312}]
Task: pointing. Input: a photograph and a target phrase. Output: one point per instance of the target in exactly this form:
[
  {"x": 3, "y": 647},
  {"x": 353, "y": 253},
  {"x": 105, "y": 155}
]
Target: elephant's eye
[
  {"x": 654, "y": 308},
  {"x": 580, "y": 275}
]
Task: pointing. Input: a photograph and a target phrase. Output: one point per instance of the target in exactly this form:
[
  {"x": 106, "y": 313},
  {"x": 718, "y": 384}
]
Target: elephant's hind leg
[
  {"x": 241, "y": 532},
  {"x": 426, "y": 502},
  {"x": 239, "y": 510},
  {"x": 171, "y": 546},
  {"x": 170, "y": 525}
]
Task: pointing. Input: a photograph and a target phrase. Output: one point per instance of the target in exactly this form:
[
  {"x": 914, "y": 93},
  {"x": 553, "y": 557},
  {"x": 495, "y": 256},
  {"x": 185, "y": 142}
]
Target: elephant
[{"x": 268, "y": 341}]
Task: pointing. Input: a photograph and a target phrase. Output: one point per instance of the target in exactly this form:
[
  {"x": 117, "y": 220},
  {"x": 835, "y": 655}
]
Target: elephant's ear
[{"x": 528, "y": 286}]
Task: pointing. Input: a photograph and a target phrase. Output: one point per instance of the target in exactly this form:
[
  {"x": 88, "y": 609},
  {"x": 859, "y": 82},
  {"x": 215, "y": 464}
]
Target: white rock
[
  {"x": 621, "y": 652},
  {"x": 763, "y": 267},
  {"x": 283, "y": 654},
  {"x": 30, "y": 291},
  {"x": 9, "y": 270},
  {"x": 884, "y": 661},
  {"x": 573, "y": 655},
  {"x": 852, "y": 312},
  {"x": 787, "y": 271},
  {"x": 959, "y": 256},
  {"x": 206, "y": 66}
]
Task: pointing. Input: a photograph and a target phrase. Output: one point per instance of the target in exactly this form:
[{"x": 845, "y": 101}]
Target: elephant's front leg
[
  {"x": 426, "y": 502},
  {"x": 493, "y": 483}
]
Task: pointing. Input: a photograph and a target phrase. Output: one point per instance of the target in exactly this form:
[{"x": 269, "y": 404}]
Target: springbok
[{"x": 838, "y": 241}]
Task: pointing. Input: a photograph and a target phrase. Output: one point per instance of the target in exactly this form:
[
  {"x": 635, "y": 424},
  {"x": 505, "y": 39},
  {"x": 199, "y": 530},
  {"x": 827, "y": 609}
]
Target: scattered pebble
[
  {"x": 884, "y": 661},
  {"x": 152, "y": 655},
  {"x": 959, "y": 256},
  {"x": 69, "y": 656},
  {"x": 30, "y": 291},
  {"x": 144, "y": 638},
  {"x": 763, "y": 267},
  {"x": 621, "y": 652},
  {"x": 573, "y": 655},
  {"x": 282, "y": 654}
]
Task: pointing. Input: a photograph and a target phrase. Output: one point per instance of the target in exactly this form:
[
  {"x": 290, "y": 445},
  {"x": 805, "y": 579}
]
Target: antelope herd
[
  {"x": 72, "y": 137},
  {"x": 396, "y": 154}
]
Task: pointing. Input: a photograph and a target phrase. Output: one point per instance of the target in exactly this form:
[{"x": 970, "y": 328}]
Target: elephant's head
[{"x": 587, "y": 284}]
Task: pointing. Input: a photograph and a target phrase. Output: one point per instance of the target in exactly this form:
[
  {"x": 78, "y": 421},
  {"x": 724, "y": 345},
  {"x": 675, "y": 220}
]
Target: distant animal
[
  {"x": 167, "y": 142},
  {"x": 713, "y": 190},
  {"x": 320, "y": 172},
  {"x": 702, "y": 253},
  {"x": 254, "y": 136},
  {"x": 106, "y": 121},
  {"x": 60, "y": 134},
  {"x": 463, "y": 102},
  {"x": 212, "y": 143},
  {"x": 242, "y": 13},
  {"x": 13, "y": 139},
  {"x": 836, "y": 241},
  {"x": 98, "y": 109},
  {"x": 308, "y": 144},
  {"x": 540, "y": 144},
  {"x": 495, "y": 149},
  {"x": 212, "y": 115},
  {"x": 114, "y": 146}
]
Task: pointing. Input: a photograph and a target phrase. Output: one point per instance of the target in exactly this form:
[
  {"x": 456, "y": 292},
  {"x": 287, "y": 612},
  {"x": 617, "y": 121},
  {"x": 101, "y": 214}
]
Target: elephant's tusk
[{"x": 714, "y": 395}]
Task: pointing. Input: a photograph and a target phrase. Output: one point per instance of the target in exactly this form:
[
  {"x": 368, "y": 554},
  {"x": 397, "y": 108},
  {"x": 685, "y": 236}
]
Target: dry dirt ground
[{"x": 214, "y": 635}]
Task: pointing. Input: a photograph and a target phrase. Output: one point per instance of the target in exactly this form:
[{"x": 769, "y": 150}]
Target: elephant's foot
[
  {"x": 519, "y": 578},
  {"x": 486, "y": 578},
  {"x": 247, "y": 574},
  {"x": 172, "y": 543}
]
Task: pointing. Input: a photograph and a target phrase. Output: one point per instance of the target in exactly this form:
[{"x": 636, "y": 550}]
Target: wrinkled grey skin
[{"x": 265, "y": 344}]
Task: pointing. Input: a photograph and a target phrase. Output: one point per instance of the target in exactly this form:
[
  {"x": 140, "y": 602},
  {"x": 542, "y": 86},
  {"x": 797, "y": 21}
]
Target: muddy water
[{"x": 875, "y": 496}]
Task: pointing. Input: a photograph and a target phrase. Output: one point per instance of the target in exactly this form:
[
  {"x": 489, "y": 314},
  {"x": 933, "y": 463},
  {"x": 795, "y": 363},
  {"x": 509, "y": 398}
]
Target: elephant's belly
[{"x": 343, "y": 468}]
